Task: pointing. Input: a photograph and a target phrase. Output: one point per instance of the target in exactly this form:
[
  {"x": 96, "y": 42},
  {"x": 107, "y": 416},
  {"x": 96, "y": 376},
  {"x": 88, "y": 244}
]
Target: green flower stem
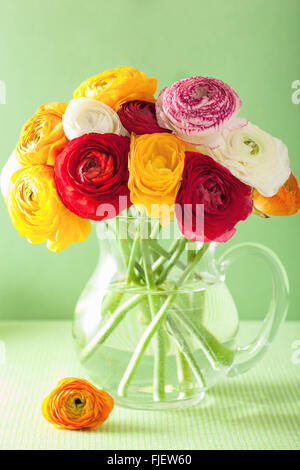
[
  {"x": 172, "y": 261},
  {"x": 156, "y": 229},
  {"x": 113, "y": 298},
  {"x": 159, "y": 356},
  {"x": 154, "y": 233},
  {"x": 158, "y": 263},
  {"x": 142, "y": 345},
  {"x": 123, "y": 243},
  {"x": 110, "y": 325},
  {"x": 159, "y": 373},
  {"x": 144, "y": 316},
  {"x": 154, "y": 325},
  {"x": 131, "y": 262},
  {"x": 155, "y": 247},
  {"x": 162, "y": 259},
  {"x": 184, "y": 373},
  {"x": 191, "y": 253},
  {"x": 140, "y": 270},
  {"x": 111, "y": 301},
  {"x": 188, "y": 355},
  {"x": 125, "y": 250},
  {"x": 216, "y": 353}
]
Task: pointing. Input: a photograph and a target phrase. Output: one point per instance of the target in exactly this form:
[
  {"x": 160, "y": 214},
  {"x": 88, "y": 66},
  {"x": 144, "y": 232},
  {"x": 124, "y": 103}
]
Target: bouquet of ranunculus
[
  {"x": 115, "y": 145},
  {"x": 185, "y": 156}
]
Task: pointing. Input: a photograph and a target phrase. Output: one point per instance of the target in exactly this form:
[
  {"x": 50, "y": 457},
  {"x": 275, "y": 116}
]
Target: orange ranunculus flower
[
  {"x": 117, "y": 86},
  {"x": 37, "y": 211},
  {"x": 156, "y": 163},
  {"x": 285, "y": 202},
  {"x": 42, "y": 137},
  {"x": 77, "y": 404}
]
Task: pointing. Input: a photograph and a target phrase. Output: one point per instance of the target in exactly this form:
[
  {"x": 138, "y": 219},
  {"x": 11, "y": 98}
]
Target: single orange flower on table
[
  {"x": 77, "y": 404},
  {"x": 285, "y": 202}
]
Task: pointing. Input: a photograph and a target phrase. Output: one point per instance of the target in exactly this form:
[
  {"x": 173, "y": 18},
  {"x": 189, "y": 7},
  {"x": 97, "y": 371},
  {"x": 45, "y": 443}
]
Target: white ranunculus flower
[
  {"x": 254, "y": 157},
  {"x": 84, "y": 116},
  {"x": 8, "y": 170}
]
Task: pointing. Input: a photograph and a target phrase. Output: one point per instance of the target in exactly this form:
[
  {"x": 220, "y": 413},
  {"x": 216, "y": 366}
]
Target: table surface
[{"x": 259, "y": 410}]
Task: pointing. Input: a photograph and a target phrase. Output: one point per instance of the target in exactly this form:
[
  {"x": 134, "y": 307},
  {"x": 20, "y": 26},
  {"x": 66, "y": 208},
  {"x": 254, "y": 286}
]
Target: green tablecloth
[{"x": 259, "y": 410}]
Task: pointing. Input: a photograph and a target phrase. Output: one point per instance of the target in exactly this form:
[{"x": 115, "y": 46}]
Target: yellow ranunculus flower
[
  {"x": 156, "y": 164},
  {"x": 117, "y": 86},
  {"x": 42, "y": 137},
  {"x": 37, "y": 211}
]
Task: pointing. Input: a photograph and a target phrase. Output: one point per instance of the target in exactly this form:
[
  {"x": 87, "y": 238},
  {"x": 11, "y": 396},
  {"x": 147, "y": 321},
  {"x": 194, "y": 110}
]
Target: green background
[{"x": 48, "y": 47}]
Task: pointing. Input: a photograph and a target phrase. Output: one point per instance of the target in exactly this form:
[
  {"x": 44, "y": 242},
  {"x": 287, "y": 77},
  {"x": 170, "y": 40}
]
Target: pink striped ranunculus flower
[{"x": 196, "y": 109}]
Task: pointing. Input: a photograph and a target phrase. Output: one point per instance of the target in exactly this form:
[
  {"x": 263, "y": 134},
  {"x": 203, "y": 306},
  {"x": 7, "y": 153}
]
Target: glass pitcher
[{"x": 156, "y": 325}]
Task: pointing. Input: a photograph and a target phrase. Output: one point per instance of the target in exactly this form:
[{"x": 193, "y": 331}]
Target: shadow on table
[
  {"x": 273, "y": 406},
  {"x": 260, "y": 393}
]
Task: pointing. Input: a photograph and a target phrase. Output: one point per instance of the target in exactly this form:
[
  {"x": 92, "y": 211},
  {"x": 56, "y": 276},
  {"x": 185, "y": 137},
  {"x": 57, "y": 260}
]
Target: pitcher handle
[{"x": 247, "y": 356}]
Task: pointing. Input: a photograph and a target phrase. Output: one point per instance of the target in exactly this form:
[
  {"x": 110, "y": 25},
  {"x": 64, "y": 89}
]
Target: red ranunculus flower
[
  {"x": 139, "y": 117},
  {"x": 91, "y": 175},
  {"x": 225, "y": 199}
]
